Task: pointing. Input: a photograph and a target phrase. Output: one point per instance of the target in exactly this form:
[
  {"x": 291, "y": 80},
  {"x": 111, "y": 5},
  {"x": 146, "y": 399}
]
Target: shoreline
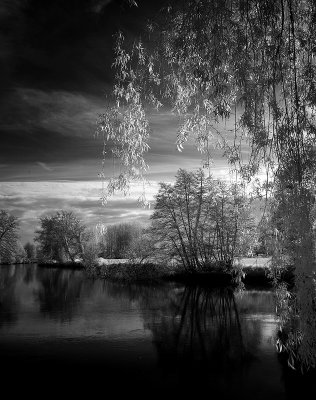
[{"x": 258, "y": 276}]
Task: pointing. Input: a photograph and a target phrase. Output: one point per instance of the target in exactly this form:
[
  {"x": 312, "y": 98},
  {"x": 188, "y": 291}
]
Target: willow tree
[{"x": 250, "y": 63}]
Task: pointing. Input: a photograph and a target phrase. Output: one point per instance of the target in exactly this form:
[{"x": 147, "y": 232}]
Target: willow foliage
[
  {"x": 248, "y": 62},
  {"x": 251, "y": 64}
]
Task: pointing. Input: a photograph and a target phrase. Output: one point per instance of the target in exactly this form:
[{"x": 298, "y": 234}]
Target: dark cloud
[
  {"x": 55, "y": 61},
  {"x": 48, "y": 127},
  {"x": 50, "y": 136},
  {"x": 65, "y": 45},
  {"x": 46, "y": 146}
]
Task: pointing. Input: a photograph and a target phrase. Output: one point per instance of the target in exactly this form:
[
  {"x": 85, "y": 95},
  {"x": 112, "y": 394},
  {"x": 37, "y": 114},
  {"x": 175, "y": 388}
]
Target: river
[{"x": 62, "y": 333}]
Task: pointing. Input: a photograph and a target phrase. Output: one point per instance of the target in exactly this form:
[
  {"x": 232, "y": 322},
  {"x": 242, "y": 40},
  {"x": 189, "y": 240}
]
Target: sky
[{"x": 55, "y": 74}]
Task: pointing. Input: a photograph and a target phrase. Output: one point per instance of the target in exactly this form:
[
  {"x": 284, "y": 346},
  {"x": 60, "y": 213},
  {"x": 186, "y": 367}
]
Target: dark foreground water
[{"x": 62, "y": 334}]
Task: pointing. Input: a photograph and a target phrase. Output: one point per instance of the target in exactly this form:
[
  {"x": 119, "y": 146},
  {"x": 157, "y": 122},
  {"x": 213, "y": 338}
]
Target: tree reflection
[
  {"x": 8, "y": 302},
  {"x": 29, "y": 274},
  {"x": 59, "y": 292},
  {"x": 197, "y": 328},
  {"x": 198, "y": 333}
]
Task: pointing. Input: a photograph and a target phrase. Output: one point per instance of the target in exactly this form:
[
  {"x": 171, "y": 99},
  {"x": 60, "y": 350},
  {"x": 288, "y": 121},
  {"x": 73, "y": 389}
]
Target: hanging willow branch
[{"x": 251, "y": 63}]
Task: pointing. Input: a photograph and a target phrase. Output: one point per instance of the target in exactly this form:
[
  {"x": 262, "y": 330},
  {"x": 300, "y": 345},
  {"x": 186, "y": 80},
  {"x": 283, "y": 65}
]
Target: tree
[
  {"x": 8, "y": 236},
  {"x": 143, "y": 248},
  {"x": 20, "y": 254},
  {"x": 30, "y": 251},
  {"x": 201, "y": 221},
  {"x": 118, "y": 239},
  {"x": 250, "y": 61},
  {"x": 61, "y": 237}
]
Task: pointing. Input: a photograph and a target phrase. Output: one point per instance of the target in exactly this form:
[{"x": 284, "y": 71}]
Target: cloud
[
  {"x": 31, "y": 200},
  {"x": 68, "y": 113},
  {"x": 63, "y": 45},
  {"x": 45, "y": 166},
  {"x": 56, "y": 128}
]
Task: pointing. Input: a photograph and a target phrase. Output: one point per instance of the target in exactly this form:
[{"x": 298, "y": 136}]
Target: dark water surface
[{"x": 64, "y": 334}]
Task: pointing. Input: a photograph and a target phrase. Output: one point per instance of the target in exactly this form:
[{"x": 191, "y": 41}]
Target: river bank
[{"x": 251, "y": 272}]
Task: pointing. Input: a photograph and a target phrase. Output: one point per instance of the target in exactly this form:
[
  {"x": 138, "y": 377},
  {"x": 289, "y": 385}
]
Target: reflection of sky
[
  {"x": 257, "y": 309},
  {"x": 56, "y": 72}
]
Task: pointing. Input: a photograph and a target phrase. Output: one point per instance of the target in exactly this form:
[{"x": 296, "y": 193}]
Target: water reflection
[
  {"x": 201, "y": 325},
  {"x": 8, "y": 300},
  {"x": 29, "y": 275},
  {"x": 203, "y": 342},
  {"x": 210, "y": 339},
  {"x": 59, "y": 292},
  {"x": 169, "y": 336}
]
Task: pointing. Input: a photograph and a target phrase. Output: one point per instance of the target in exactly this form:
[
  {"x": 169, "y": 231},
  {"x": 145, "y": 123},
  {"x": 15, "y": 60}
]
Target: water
[{"x": 61, "y": 333}]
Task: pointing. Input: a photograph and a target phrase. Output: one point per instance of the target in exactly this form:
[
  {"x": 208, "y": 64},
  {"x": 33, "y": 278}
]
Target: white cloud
[{"x": 31, "y": 200}]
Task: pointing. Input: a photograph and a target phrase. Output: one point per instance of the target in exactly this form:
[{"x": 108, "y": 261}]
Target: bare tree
[{"x": 201, "y": 221}]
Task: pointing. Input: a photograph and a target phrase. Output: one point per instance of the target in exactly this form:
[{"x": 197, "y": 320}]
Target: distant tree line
[{"x": 62, "y": 237}]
